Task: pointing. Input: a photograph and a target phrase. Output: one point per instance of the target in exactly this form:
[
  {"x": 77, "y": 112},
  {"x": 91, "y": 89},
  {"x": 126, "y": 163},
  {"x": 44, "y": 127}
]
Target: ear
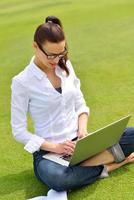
[{"x": 35, "y": 46}]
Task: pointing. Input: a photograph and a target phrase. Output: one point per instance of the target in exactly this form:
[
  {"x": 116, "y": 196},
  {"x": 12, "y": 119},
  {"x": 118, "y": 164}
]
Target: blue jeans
[{"x": 62, "y": 178}]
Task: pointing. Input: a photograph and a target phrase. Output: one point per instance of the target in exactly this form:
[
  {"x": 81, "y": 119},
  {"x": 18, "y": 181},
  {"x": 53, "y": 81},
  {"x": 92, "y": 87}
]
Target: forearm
[
  {"x": 66, "y": 147},
  {"x": 48, "y": 146},
  {"x": 82, "y": 122}
]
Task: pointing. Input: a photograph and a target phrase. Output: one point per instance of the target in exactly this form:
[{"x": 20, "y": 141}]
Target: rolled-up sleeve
[
  {"x": 19, "y": 108},
  {"x": 80, "y": 103}
]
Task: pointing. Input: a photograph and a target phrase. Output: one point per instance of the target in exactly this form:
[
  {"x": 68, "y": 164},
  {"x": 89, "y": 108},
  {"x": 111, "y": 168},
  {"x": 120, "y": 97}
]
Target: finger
[
  {"x": 131, "y": 156},
  {"x": 130, "y": 159},
  {"x": 70, "y": 144},
  {"x": 69, "y": 149},
  {"x": 67, "y": 152}
]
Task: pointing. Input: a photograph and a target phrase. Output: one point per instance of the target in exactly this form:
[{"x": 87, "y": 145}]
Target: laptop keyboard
[{"x": 66, "y": 157}]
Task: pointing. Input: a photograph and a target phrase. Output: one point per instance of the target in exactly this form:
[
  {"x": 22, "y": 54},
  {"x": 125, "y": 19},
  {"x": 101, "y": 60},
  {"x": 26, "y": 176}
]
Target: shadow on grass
[
  {"x": 90, "y": 190},
  {"x": 25, "y": 181}
]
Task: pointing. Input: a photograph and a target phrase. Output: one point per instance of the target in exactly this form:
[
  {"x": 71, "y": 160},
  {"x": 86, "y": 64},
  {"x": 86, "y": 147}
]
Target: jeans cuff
[{"x": 117, "y": 153}]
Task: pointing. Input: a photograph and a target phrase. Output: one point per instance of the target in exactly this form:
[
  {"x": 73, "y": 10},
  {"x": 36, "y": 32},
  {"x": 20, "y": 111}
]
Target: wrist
[
  {"x": 49, "y": 146},
  {"x": 82, "y": 133},
  {"x": 54, "y": 147},
  {"x": 82, "y": 129}
]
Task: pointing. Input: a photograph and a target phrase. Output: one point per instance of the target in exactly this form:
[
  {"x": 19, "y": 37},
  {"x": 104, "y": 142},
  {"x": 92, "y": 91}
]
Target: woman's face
[{"x": 48, "y": 55}]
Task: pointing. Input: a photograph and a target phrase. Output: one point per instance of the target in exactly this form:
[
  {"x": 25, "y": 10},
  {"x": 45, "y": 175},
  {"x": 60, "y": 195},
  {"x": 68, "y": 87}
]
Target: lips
[{"x": 53, "y": 64}]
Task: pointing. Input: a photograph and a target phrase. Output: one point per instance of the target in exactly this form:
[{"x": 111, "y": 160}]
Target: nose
[{"x": 56, "y": 59}]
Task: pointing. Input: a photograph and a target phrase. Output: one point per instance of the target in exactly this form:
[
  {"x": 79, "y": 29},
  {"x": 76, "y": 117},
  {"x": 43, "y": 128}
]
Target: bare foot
[
  {"x": 113, "y": 166},
  {"x": 130, "y": 158}
]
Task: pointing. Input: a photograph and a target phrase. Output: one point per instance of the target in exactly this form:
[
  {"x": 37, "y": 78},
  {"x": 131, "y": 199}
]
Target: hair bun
[{"x": 53, "y": 19}]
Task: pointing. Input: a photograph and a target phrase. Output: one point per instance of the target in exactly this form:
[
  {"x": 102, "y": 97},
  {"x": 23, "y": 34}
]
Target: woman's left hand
[{"x": 82, "y": 133}]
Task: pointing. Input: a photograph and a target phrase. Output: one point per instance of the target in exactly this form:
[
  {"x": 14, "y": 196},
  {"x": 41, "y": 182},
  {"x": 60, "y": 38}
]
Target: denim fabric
[
  {"x": 127, "y": 141},
  {"x": 62, "y": 178}
]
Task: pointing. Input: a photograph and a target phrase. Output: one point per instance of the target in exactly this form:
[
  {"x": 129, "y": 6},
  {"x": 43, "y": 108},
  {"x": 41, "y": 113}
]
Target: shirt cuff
[
  {"x": 34, "y": 144},
  {"x": 83, "y": 109}
]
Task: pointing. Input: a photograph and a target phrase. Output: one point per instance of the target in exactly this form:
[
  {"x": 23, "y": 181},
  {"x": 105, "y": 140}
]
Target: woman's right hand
[{"x": 65, "y": 148}]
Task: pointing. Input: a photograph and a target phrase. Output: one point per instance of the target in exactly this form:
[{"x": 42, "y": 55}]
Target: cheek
[{"x": 43, "y": 59}]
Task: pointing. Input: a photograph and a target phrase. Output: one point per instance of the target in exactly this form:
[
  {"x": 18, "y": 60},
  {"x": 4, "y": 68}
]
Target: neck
[{"x": 43, "y": 67}]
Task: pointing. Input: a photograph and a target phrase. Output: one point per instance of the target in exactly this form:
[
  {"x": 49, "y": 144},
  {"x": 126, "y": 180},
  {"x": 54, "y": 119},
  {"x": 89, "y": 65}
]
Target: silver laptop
[{"x": 92, "y": 144}]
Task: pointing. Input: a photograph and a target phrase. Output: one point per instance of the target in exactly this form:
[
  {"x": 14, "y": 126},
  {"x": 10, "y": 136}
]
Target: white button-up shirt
[{"x": 54, "y": 114}]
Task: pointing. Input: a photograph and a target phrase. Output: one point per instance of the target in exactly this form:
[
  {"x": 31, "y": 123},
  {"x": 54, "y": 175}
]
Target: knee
[
  {"x": 55, "y": 178},
  {"x": 59, "y": 180},
  {"x": 129, "y": 131},
  {"x": 128, "y": 136}
]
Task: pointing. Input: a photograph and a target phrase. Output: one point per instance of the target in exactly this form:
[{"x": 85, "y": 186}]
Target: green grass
[{"x": 100, "y": 36}]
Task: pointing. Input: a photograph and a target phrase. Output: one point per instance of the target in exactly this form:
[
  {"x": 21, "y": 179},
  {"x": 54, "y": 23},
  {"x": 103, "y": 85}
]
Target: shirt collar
[{"x": 36, "y": 70}]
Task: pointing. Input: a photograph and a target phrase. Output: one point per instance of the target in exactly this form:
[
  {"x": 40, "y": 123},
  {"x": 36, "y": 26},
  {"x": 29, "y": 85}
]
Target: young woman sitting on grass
[{"x": 49, "y": 90}]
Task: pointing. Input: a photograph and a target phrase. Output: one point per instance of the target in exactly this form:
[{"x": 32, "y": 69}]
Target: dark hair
[
  {"x": 54, "y": 20},
  {"x": 51, "y": 31}
]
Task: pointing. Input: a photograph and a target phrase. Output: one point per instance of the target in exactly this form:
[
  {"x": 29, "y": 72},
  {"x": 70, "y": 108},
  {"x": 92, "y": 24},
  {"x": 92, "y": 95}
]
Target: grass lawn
[{"x": 100, "y": 36}]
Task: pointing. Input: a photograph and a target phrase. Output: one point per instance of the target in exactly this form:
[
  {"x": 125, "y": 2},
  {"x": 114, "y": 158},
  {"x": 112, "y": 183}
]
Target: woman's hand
[{"x": 65, "y": 148}]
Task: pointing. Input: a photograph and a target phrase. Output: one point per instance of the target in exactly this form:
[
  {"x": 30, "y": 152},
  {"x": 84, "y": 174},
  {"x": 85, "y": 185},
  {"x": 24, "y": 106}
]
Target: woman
[{"x": 49, "y": 90}]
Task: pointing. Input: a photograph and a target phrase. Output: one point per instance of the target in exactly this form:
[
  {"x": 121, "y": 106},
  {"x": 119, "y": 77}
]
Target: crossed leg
[{"x": 106, "y": 158}]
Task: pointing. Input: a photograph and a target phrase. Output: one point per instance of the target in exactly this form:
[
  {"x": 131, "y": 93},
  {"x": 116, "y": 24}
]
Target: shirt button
[{"x": 63, "y": 115}]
